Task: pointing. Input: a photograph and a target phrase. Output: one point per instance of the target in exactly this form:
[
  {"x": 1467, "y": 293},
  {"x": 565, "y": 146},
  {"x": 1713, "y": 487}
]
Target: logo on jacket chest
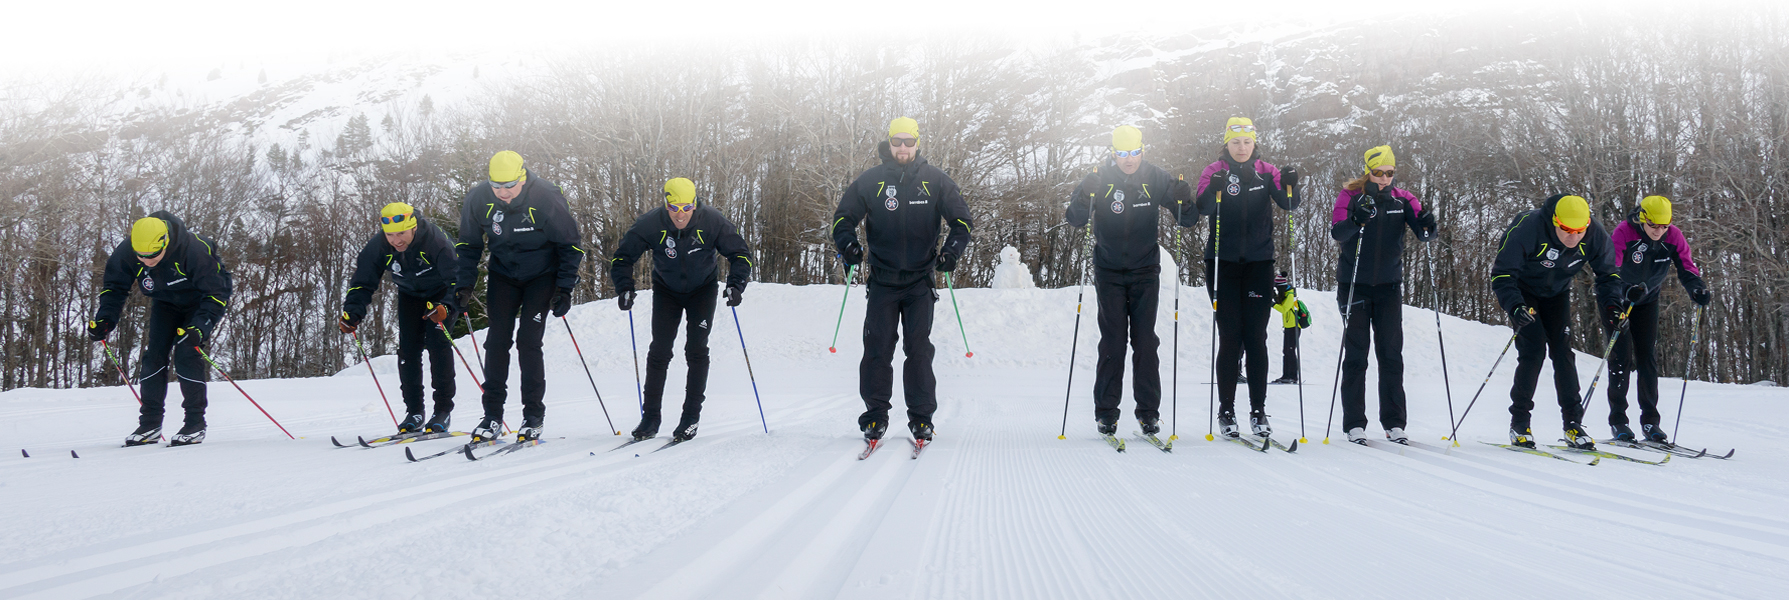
[
  {"x": 397, "y": 268},
  {"x": 1235, "y": 187},
  {"x": 148, "y": 285},
  {"x": 1553, "y": 254},
  {"x": 670, "y": 247},
  {"x": 891, "y": 204},
  {"x": 497, "y": 224}
]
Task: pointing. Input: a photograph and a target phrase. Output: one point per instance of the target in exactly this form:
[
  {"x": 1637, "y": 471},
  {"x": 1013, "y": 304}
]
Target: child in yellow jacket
[{"x": 1293, "y": 317}]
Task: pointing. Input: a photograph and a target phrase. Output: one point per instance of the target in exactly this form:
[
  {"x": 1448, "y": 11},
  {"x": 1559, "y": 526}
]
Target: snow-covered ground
[{"x": 997, "y": 508}]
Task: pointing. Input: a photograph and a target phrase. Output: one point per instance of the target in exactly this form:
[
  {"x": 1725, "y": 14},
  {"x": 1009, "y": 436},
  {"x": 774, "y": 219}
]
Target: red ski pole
[
  {"x": 251, "y": 399},
  {"x": 120, "y": 367},
  {"x": 369, "y": 370}
]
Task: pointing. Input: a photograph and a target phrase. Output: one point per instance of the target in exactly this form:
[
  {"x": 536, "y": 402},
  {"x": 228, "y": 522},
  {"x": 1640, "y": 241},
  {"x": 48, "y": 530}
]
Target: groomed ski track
[{"x": 997, "y": 507}]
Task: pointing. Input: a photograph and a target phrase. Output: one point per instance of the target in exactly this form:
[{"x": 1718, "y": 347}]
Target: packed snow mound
[{"x": 1012, "y": 273}]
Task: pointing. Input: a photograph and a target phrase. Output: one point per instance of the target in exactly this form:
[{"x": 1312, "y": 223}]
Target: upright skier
[
  {"x": 1532, "y": 278},
  {"x": 901, "y": 203},
  {"x": 1647, "y": 246},
  {"x": 420, "y": 258},
  {"x": 1294, "y": 317},
  {"x": 684, "y": 238},
  {"x": 189, "y": 289},
  {"x": 1237, "y": 193},
  {"x": 1368, "y": 225},
  {"x": 1123, "y": 198},
  {"x": 534, "y": 265}
]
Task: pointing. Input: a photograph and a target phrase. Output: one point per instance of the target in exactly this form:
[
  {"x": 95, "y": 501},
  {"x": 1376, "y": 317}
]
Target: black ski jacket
[
  {"x": 425, "y": 269},
  {"x": 683, "y": 260},
  {"x": 1640, "y": 259},
  {"x": 190, "y": 276},
  {"x": 1125, "y": 215},
  {"x": 1382, "y": 242},
  {"x": 1244, "y": 227},
  {"x": 901, "y": 206},
  {"x": 530, "y": 236},
  {"x": 1533, "y": 261}
]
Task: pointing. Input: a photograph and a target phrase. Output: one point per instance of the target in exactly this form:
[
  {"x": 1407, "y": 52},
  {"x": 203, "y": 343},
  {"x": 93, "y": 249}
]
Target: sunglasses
[
  {"x": 1562, "y": 227},
  {"x": 394, "y": 219},
  {"x": 1384, "y": 172},
  {"x": 680, "y": 207},
  {"x": 1127, "y": 153},
  {"x": 895, "y": 141},
  {"x": 505, "y": 186},
  {"x": 1651, "y": 225},
  {"x": 150, "y": 255},
  {"x": 1242, "y": 128}
]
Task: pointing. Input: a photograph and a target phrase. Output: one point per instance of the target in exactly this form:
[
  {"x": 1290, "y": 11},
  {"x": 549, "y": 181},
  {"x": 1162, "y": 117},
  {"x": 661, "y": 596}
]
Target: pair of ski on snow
[
  {"x": 674, "y": 441},
  {"x": 1117, "y": 443},
  {"x": 870, "y": 447},
  {"x": 1669, "y": 450}
]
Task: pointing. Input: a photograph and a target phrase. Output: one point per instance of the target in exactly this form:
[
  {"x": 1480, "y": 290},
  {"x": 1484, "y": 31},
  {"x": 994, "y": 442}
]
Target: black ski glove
[
  {"x": 1219, "y": 179},
  {"x": 98, "y": 329},
  {"x": 852, "y": 254},
  {"x": 1701, "y": 296},
  {"x": 348, "y": 322},
  {"x": 1363, "y": 209},
  {"x": 1426, "y": 225},
  {"x": 1521, "y": 316},
  {"x": 947, "y": 262},
  {"x": 1611, "y": 317},
  {"x": 732, "y": 294},
  {"x": 462, "y": 299},
  {"x": 1634, "y": 293},
  {"x": 191, "y": 336},
  {"x": 1289, "y": 178},
  {"x": 625, "y": 299},
  {"x": 561, "y": 302}
]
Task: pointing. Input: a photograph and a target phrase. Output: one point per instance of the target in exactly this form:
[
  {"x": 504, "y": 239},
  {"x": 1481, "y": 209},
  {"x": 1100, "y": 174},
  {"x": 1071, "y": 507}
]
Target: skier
[
  {"x": 534, "y": 265},
  {"x": 420, "y": 258},
  {"x": 1122, "y": 198},
  {"x": 190, "y": 289},
  {"x": 901, "y": 203},
  {"x": 1542, "y": 250},
  {"x": 683, "y": 237},
  {"x": 1294, "y": 317},
  {"x": 1646, "y": 246},
  {"x": 1368, "y": 225},
  {"x": 1237, "y": 193}
]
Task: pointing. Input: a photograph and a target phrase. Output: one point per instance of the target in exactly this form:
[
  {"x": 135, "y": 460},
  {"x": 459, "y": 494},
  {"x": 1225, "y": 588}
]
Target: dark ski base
[
  {"x": 1593, "y": 459},
  {"x": 506, "y": 449},
  {"x": 631, "y": 442},
  {"x": 1276, "y": 444},
  {"x": 673, "y": 442},
  {"x": 461, "y": 448},
  {"x": 1251, "y": 442}
]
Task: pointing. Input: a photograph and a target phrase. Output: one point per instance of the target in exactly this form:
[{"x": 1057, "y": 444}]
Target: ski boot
[
  {"x": 488, "y": 429},
  {"x": 438, "y": 423},
  {"x": 1107, "y": 426},
  {"x": 1227, "y": 424},
  {"x": 1284, "y": 381},
  {"x": 192, "y": 433},
  {"x": 1357, "y": 435},
  {"x": 1396, "y": 436},
  {"x": 648, "y": 427},
  {"x": 1150, "y": 426},
  {"x": 1577, "y": 439},
  {"x": 921, "y": 431},
  {"x": 143, "y": 436},
  {"x": 1622, "y": 433},
  {"x": 1258, "y": 423},
  {"x": 412, "y": 423},
  {"x": 1654, "y": 434},
  {"x": 1521, "y": 436},
  {"x": 874, "y": 430},
  {"x": 530, "y": 430},
  {"x": 686, "y": 429}
]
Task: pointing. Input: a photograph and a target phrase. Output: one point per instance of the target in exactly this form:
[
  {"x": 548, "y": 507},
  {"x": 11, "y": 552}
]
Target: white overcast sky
[{"x": 124, "y": 36}]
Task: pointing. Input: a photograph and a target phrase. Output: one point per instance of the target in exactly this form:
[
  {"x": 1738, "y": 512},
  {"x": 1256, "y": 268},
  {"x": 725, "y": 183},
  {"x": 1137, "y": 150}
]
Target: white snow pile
[
  {"x": 1011, "y": 273},
  {"x": 997, "y": 507}
]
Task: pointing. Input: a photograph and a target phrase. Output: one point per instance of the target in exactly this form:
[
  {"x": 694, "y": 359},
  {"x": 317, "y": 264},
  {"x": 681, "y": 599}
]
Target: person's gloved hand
[
  {"x": 732, "y": 294},
  {"x": 437, "y": 313},
  {"x": 1219, "y": 179},
  {"x": 625, "y": 299},
  {"x": 1289, "y": 177},
  {"x": 561, "y": 302},
  {"x": 1634, "y": 293},
  {"x": 348, "y": 322},
  {"x": 1426, "y": 226},
  {"x": 462, "y": 299},
  {"x": 947, "y": 262},
  {"x": 98, "y": 329},
  {"x": 191, "y": 336},
  {"x": 1521, "y": 316},
  {"x": 1362, "y": 210},
  {"x": 852, "y": 254},
  {"x": 1611, "y": 317},
  {"x": 1701, "y": 296}
]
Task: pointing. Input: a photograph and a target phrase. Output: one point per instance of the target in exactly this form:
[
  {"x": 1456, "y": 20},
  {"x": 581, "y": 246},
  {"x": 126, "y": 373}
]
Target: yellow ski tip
[
  {"x": 1062, "y": 437},
  {"x": 1303, "y": 441},
  {"x": 1209, "y": 437}
]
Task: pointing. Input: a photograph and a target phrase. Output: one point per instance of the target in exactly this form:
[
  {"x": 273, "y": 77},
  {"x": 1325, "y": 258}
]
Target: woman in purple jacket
[{"x": 1648, "y": 247}]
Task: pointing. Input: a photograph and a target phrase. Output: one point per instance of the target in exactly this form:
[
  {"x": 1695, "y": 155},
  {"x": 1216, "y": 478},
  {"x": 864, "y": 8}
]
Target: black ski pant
[
  {"x": 416, "y": 333},
  {"x": 668, "y": 310},
  {"x": 1547, "y": 337},
  {"x": 1127, "y": 303},
  {"x": 1637, "y": 350},
  {"x": 1244, "y": 295},
  {"x": 910, "y": 308},
  {"x": 1379, "y": 308},
  {"x": 1290, "y": 350},
  {"x": 189, "y": 367},
  {"x": 508, "y": 301}
]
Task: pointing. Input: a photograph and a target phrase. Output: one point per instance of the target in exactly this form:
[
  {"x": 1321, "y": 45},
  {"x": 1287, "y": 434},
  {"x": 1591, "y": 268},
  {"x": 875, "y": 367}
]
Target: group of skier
[{"x": 535, "y": 252}]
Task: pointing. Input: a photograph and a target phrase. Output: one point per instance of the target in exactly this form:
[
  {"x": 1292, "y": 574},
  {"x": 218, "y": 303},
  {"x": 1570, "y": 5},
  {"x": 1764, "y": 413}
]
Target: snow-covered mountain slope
[{"x": 997, "y": 508}]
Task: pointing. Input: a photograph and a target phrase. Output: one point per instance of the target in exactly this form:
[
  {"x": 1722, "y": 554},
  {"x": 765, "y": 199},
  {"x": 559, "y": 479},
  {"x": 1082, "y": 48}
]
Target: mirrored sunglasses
[
  {"x": 1384, "y": 172},
  {"x": 1127, "y": 153},
  {"x": 1562, "y": 226},
  {"x": 505, "y": 186},
  {"x": 1242, "y": 128},
  {"x": 394, "y": 219},
  {"x": 680, "y": 207}
]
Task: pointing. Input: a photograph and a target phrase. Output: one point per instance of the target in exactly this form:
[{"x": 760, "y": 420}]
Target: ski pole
[
  {"x": 850, "y": 273},
  {"x": 587, "y": 375},
  {"x": 639, "y": 390},
  {"x": 133, "y": 389},
  {"x": 1217, "y": 262},
  {"x": 1455, "y": 435},
  {"x": 1075, "y": 339},
  {"x": 475, "y": 353},
  {"x": 1620, "y": 324},
  {"x": 953, "y": 304},
  {"x": 1297, "y": 346},
  {"x": 1440, "y": 341},
  {"x": 251, "y": 399},
  {"x": 1695, "y": 336},
  {"x": 456, "y": 350},
  {"x": 748, "y": 368},
  {"x": 369, "y": 369},
  {"x": 1174, "y": 368},
  {"x": 1360, "y": 235}
]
